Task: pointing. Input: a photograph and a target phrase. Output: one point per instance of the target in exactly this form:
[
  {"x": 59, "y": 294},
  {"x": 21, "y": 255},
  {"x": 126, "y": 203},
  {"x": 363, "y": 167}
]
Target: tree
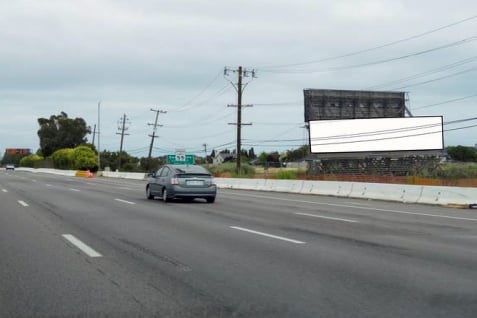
[
  {"x": 60, "y": 132},
  {"x": 297, "y": 154},
  {"x": 462, "y": 153}
]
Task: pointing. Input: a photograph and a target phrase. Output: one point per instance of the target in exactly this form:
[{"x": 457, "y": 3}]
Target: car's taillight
[
  {"x": 174, "y": 181},
  {"x": 212, "y": 182}
]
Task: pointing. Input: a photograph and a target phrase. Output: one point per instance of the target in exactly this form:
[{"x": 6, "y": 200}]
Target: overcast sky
[{"x": 170, "y": 55}]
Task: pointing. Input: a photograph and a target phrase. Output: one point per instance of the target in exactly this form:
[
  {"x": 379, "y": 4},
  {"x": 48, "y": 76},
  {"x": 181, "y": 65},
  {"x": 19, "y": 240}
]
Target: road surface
[{"x": 73, "y": 247}]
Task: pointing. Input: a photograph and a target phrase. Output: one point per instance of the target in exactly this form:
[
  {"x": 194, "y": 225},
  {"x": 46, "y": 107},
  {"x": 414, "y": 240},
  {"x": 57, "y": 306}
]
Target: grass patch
[{"x": 229, "y": 169}]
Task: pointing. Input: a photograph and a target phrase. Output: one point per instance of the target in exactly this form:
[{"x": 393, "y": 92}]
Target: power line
[
  {"x": 446, "y": 102},
  {"x": 185, "y": 107},
  {"x": 413, "y": 37},
  {"x": 438, "y": 79},
  {"x": 353, "y": 66},
  {"x": 422, "y": 74}
]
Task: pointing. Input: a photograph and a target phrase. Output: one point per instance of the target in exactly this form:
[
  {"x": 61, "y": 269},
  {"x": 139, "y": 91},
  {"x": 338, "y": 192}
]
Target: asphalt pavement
[{"x": 75, "y": 247}]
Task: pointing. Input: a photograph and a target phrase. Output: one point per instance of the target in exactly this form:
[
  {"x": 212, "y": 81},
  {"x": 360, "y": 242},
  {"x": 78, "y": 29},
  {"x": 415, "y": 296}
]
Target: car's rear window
[{"x": 190, "y": 169}]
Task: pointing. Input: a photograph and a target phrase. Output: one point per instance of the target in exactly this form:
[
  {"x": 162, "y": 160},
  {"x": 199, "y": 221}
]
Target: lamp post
[{"x": 99, "y": 150}]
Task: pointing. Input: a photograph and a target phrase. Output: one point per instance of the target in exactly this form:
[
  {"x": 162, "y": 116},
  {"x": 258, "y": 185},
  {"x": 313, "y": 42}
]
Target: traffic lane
[
  {"x": 421, "y": 232},
  {"x": 407, "y": 219},
  {"x": 360, "y": 207},
  {"x": 42, "y": 275}
]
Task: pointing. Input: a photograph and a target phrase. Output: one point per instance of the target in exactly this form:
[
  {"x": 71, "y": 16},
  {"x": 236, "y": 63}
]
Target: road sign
[{"x": 180, "y": 159}]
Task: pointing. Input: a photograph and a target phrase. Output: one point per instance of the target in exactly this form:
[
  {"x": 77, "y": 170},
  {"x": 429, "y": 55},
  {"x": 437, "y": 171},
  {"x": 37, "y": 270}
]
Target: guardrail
[{"x": 437, "y": 195}]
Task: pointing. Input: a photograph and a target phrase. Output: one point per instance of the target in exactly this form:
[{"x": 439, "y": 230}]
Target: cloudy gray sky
[{"x": 136, "y": 55}]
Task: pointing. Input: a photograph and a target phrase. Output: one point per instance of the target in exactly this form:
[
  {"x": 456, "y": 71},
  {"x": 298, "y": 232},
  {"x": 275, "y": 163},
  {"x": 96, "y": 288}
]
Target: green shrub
[
  {"x": 453, "y": 171},
  {"x": 63, "y": 159},
  {"x": 84, "y": 158},
  {"x": 31, "y": 161}
]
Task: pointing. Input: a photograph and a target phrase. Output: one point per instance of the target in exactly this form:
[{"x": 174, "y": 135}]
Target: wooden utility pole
[
  {"x": 122, "y": 127},
  {"x": 239, "y": 87}
]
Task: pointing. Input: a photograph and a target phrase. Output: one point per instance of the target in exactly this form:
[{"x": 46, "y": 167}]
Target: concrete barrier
[
  {"x": 124, "y": 175},
  {"x": 454, "y": 196}
]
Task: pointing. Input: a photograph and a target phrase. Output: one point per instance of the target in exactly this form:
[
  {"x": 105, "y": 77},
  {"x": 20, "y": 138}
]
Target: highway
[{"x": 74, "y": 247}]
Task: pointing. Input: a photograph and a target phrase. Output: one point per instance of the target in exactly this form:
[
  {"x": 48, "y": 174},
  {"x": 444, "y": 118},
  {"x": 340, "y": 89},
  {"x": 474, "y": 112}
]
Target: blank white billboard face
[{"x": 376, "y": 134}]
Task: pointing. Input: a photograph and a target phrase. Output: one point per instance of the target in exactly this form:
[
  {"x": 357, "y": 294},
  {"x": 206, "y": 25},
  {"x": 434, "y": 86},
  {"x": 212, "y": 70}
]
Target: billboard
[
  {"x": 376, "y": 135},
  {"x": 18, "y": 151},
  {"x": 324, "y": 104}
]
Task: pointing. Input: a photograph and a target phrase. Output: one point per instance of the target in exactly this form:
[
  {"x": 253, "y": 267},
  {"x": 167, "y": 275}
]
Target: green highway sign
[{"x": 180, "y": 159}]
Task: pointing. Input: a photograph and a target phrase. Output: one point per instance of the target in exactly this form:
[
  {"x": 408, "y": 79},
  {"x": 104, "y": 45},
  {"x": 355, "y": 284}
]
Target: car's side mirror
[{"x": 151, "y": 174}]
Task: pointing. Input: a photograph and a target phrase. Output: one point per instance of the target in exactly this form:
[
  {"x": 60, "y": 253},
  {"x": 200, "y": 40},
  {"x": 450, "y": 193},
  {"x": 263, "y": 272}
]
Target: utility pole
[
  {"x": 121, "y": 127},
  {"x": 239, "y": 88},
  {"x": 205, "y": 152},
  {"x": 94, "y": 133},
  {"x": 154, "y": 133}
]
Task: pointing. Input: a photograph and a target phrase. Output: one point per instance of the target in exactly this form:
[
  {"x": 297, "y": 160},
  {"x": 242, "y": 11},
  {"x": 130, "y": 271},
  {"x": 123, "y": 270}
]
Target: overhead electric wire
[
  {"x": 353, "y": 66},
  {"x": 445, "y": 102},
  {"x": 186, "y": 106},
  {"x": 413, "y": 37},
  {"x": 428, "y": 72},
  {"x": 437, "y": 79}
]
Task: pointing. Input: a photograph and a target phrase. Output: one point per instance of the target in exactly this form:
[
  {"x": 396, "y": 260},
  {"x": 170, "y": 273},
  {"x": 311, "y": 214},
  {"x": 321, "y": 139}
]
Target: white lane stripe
[
  {"x": 4, "y": 190},
  {"x": 23, "y": 203},
  {"x": 358, "y": 207},
  {"x": 327, "y": 217},
  {"x": 48, "y": 185},
  {"x": 267, "y": 235},
  {"x": 83, "y": 247},
  {"x": 75, "y": 190},
  {"x": 124, "y": 201}
]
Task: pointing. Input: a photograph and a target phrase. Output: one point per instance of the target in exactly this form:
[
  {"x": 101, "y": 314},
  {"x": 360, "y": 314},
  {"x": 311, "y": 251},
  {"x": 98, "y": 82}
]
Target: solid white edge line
[
  {"x": 360, "y": 207},
  {"x": 326, "y": 217},
  {"x": 124, "y": 201},
  {"x": 23, "y": 203},
  {"x": 267, "y": 235},
  {"x": 83, "y": 247}
]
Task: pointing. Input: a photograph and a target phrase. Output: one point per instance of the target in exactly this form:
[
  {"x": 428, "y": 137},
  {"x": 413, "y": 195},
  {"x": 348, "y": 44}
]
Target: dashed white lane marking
[
  {"x": 48, "y": 185},
  {"x": 267, "y": 235},
  {"x": 327, "y": 217},
  {"x": 124, "y": 201},
  {"x": 75, "y": 190},
  {"x": 23, "y": 203},
  {"x": 4, "y": 190},
  {"x": 83, "y": 247}
]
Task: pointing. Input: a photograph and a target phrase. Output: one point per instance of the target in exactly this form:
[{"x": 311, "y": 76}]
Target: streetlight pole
[{"x": 99, "y": 150}]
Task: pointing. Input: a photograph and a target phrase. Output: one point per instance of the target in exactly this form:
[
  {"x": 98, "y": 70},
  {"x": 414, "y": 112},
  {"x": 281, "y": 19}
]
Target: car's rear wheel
[
  {"x": 149, "y": 194},
  {"x": 164, "y": 195},
  {"x": 210, "y": 200}
]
